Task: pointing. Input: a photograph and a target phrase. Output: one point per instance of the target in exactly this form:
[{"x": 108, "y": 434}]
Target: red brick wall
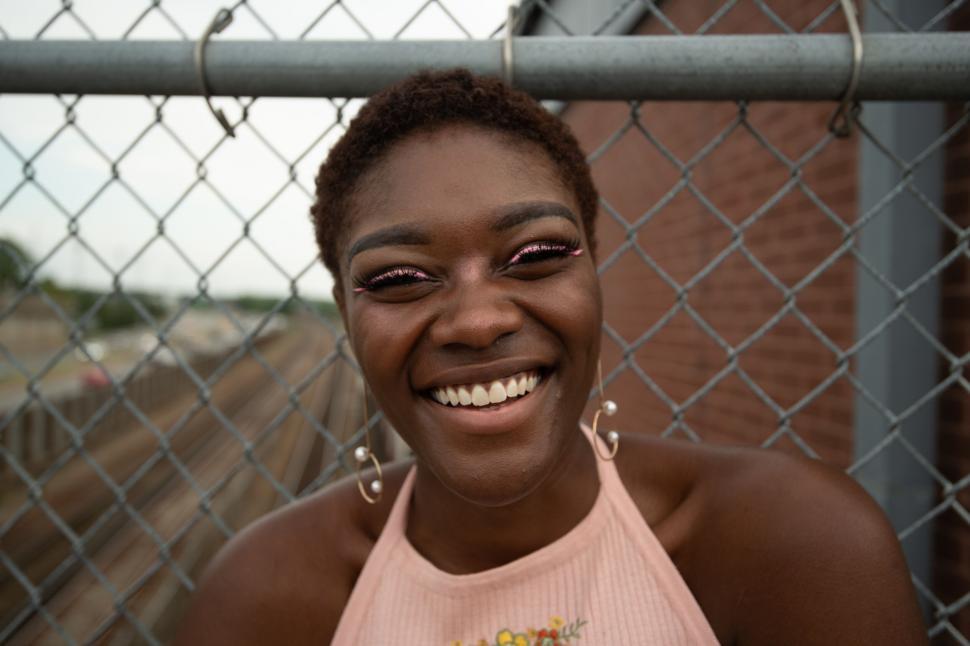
[
  {"x": 790, "y": 239},
  {"x": 952, "y": 564}
]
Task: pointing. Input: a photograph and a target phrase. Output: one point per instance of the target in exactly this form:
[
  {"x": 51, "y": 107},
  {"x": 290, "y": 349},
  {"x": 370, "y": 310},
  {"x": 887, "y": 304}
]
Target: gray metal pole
[
  {"x": 899, "y": 367},
  {"x": 799, "y": 67}
]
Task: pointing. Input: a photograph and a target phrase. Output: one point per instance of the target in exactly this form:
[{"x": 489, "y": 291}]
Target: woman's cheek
[
  {"x": 372, "y": 338},
  {"x": 573, "y": 306},
  {"x": 385, "y": 335}
]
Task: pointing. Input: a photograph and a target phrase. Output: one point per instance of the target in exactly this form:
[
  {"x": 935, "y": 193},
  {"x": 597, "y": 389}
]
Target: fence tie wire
[
  {"x": 507, "y": 51},
  {"x": 220, "y": 21},
  {"x": 840, "y": 124}
]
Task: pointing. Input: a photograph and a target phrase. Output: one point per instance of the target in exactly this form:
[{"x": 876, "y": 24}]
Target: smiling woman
[
  {"x": 467, "y": 281},
  {"x": 457, "y": 217}
]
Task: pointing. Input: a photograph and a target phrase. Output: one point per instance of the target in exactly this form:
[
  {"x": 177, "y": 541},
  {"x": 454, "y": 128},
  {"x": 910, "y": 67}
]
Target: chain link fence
[{"x": 171, "y": 367}]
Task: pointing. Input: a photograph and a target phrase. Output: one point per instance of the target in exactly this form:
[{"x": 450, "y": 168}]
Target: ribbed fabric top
[{"x": 607, "y": 581}]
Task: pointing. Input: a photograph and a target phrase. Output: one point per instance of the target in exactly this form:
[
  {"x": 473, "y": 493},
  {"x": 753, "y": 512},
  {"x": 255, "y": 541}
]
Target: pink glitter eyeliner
[
  {"x": 539, "y": 248},
  {"x": 390, "y": 278}
]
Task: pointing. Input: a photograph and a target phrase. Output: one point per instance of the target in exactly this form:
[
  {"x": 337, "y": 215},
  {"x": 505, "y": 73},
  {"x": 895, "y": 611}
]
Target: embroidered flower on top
[
  {"x": 556, "y": 633},
  {"x": 507, "y": 638}
]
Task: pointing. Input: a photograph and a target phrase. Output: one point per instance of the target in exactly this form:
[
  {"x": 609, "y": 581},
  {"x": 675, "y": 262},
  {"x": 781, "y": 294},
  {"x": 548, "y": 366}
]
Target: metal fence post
[{"x": 901, "y": 242}]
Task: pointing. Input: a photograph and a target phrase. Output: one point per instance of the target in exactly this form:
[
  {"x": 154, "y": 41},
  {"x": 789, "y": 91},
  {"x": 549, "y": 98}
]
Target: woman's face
[{"x": 468, "y": 274}]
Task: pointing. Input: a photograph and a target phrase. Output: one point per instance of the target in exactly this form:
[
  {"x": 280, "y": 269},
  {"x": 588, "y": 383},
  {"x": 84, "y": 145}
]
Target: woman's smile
[
  {"x": 484, "y": 394},
  {"x": 490, "y": 408}
]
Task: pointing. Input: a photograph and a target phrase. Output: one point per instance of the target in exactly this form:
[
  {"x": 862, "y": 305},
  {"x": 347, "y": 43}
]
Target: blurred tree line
[
  {"x": 260, "y": 304},
  {"x": 116, "y": 310},
  {"x": 15, "y": 264},
  {"x": 119, "y": 310}
]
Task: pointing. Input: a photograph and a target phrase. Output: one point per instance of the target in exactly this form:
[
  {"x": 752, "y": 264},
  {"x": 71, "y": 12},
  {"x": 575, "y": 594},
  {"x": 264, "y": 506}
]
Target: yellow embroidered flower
[
  {"x": 456, "y": 642},
  {"x": 556, "y": 622},
  {"x": 482, "y": 642},
  {"x": 531, "y": 632},
  {"x": 507, "y": 638}
]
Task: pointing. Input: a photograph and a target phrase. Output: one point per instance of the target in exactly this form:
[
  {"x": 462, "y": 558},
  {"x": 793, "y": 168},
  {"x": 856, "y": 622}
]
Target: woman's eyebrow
[
  {"x": 401, "y": 234},
  {"x": 513, "y": 215},
  {"x": 510, "y": 216}
]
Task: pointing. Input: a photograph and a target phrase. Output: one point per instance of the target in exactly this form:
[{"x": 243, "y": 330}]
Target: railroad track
[
  {"x": 123, "y": 560},
  {"x": 85, "y": 504}
]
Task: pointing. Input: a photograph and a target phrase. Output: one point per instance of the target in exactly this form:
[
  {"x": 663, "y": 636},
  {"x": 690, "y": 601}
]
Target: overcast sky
[{"x": 244, "y": 171}]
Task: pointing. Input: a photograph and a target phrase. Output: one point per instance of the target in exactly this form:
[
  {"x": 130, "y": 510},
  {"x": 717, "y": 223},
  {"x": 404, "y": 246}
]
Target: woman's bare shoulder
[
  {"x": 806, "y": 550},
  {"x": 287, "y": 577}
]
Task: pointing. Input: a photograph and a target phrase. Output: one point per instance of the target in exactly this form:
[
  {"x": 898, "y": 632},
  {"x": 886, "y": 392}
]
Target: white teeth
[
  {"x": 484, "y": 394},
  {"x": 497, "y": 394},
  {"x": 479, "y": 396},
  {"x": 512, "y": 388}
]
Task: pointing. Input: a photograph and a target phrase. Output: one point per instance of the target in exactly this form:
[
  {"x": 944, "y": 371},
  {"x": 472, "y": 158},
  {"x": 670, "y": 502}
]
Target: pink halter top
[{"x": 607, "y": 581}]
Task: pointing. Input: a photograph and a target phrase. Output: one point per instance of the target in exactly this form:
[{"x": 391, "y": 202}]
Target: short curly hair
[{"x": 426, "y": 102}]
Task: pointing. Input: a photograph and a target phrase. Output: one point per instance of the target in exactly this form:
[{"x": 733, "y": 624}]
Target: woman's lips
[{"x": 491, "y": 419}]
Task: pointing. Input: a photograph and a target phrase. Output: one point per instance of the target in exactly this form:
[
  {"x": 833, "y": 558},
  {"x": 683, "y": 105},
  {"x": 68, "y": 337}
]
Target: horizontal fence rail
[{"x": 799, "y": 67}]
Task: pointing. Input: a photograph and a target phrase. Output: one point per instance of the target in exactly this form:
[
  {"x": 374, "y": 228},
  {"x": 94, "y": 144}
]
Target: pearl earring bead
[
  {"x": 610, "y": 407},
  {"x": 360, "y": 454},
  {"x": 613, "y": 437},
  {"x": 375, "y": 486}
]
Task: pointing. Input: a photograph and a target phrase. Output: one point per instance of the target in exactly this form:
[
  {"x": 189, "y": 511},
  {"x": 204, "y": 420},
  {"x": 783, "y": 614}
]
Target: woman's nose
[{"x": 476, "y": 316}]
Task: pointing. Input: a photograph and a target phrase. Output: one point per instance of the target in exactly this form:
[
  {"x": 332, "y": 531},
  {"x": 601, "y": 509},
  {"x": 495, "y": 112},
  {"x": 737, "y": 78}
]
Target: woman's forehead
[{"x": 457, "y": 168}]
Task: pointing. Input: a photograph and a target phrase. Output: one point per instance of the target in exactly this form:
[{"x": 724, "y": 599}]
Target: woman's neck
[{"x": 460, "y": 537}]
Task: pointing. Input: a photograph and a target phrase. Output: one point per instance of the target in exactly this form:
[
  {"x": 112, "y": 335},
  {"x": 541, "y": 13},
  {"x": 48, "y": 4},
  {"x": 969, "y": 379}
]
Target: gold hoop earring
[
  {"x": 608, "y": 408},
  {"x": 364, "y": 453}
]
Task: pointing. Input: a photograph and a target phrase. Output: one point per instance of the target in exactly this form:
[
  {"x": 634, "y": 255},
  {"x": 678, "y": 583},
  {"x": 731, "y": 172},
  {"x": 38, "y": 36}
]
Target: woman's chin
[
  {"x": 497, "y": 483},
  {"x": 498, "y": 455}
]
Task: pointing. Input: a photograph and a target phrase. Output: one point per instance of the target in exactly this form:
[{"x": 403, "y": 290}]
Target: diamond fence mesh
[{"x": 171, "y": 368}]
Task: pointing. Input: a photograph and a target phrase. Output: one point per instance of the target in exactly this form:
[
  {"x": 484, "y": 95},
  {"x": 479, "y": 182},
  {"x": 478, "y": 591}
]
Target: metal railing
[{"x": 124, "y": 514}]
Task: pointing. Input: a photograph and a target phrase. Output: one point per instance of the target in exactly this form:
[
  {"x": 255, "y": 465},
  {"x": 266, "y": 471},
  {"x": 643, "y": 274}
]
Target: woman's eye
[
  {"x": 390, "y": 278},
  {"x": 539, "y": 251}
]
